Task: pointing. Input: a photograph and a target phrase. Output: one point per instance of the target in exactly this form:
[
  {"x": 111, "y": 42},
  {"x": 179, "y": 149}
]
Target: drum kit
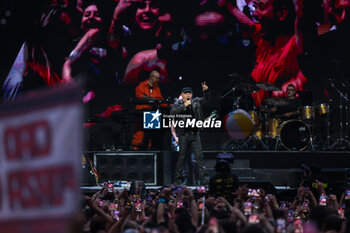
[
  {"x": 310, "y": 130},
  {"x": 274, "y": 132}
]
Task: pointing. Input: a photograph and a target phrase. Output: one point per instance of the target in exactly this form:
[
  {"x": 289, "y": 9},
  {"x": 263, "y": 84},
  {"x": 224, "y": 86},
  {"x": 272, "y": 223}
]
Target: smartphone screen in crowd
[
  {"x": 200, "y": 205},
  {"x": 247, "y": 208},
  {"x": 179, "y": 204},
  {"x": 347, "y": 194},
  {"x": 138, "y": 206},
  {"x": 253, "y": 219},
  {"x": 253, "y": 193},
  {"x": 323, "y": 200},
  {"x": 116, "y": 214},
  {"x": 281, "y": 225}
]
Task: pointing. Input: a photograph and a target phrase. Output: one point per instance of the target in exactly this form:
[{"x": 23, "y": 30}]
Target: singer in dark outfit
[{"x": 189, "y": 137}]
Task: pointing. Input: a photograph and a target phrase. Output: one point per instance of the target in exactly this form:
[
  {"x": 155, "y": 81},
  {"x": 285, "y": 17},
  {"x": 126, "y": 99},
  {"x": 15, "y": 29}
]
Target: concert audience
[{"x": 180, "y": 209}]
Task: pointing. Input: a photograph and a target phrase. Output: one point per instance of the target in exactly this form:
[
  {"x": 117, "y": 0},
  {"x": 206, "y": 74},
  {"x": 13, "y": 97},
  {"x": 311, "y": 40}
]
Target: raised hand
[
  {"x": 122, "y": 6},
  {"x": 204, "y": 86}
]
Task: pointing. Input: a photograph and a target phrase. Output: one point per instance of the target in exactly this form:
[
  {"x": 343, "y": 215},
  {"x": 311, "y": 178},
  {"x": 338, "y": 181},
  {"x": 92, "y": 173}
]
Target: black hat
[{"x": 186, "y": 90}]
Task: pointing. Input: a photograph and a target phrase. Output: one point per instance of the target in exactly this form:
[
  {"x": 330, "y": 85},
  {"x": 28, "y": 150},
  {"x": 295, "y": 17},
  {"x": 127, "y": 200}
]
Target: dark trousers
[
  {"x": 190, "y": 171},
  {"x": 190, "y": 141}
]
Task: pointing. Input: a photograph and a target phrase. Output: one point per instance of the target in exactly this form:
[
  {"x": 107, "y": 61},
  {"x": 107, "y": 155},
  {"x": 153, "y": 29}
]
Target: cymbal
[
  {"x": 268, "y": 87},
  {"x": 247, "y": 87},
  {"x": 240, "y": 78}
]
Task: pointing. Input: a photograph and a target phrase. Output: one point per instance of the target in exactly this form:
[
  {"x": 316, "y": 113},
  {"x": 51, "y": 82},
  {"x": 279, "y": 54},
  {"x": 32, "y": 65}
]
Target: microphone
[{"x": 189, "y": 106}]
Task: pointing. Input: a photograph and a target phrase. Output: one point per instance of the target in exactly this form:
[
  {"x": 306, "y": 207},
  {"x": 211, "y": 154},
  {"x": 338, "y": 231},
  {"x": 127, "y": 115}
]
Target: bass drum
[{"x": 294, "y": 135}]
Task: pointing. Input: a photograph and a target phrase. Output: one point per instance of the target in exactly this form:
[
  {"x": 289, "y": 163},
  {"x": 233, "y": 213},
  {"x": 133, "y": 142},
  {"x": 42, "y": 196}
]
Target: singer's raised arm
[{"x": 206, "y": 97}]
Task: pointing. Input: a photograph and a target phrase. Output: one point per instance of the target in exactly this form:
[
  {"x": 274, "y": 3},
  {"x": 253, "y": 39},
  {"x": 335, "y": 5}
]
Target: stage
[{"x": 279, "y": 170}]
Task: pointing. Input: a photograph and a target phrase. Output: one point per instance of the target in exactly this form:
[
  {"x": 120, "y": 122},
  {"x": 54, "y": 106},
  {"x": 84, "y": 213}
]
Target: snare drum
[
  {"x": 294, "y": 135},
  {"x": 307, "y": 112},
  {"x": 323, "y": 109},
  {"x": 272, "y": 127}
]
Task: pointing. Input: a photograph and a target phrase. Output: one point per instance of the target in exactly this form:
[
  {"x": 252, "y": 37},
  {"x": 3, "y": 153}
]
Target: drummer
[{"x": 287, "y": 108}]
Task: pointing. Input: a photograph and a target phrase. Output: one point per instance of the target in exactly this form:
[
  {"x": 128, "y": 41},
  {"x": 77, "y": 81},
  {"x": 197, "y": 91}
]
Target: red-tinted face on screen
[
  {"x": 91, "y": 18},
  {"x": 147, "y": 14},
  {"x": 264, "y": 12}
]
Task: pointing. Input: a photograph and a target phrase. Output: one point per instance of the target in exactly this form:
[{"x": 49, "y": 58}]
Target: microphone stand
[
  {"x": 341, "y": 140},
  {"x": 253, "y": 136},
  {"x": 232, "y": 143}
]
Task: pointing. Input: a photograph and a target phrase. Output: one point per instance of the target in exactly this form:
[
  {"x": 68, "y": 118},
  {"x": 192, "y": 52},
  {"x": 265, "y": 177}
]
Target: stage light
[
  {"x": 3, "y": 21},
  {"x": 8, "y": 13}
]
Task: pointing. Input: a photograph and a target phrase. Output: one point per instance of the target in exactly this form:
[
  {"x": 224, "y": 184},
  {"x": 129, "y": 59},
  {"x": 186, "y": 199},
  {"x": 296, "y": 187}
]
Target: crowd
[{"x": 178, "y": 209}]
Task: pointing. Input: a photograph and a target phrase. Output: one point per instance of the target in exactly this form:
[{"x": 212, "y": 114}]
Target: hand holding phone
[
  {"x": 247, "y": 208},
  {"x": 116, "y": 214},
  {"x": 138, "y": 206},
  {"x": 281, "y": 225},
  {"x": 110, "y": 188},
  {"x": 213, "y": 225},
  {"x": 253, "y": 193},
  {"x": 290, "y": 216},
  {"x": 305, "y": 206},
  {"x": 100, "y": 203},
  {"x": 179, "y": 204},
  {"x": 200, "y": 205},
  {"x": 341, "y": 213},
  {"x": 253, "y": 219},
  {"x": 323, "y": 200},
  {"x": 201, "y": 190},
  {"x": 283, "y": 205},
  {"x": 347, "y": 194}
]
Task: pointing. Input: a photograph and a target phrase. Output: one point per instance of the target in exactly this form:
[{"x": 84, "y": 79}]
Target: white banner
[{"x": 40, "y": 154}]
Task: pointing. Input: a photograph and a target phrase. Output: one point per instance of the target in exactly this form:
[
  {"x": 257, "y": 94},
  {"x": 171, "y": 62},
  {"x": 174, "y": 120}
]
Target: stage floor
[{"x": 280, "y": 168}]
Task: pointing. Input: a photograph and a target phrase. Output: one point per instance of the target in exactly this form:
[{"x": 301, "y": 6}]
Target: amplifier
[{"x": 129, "y": 166}]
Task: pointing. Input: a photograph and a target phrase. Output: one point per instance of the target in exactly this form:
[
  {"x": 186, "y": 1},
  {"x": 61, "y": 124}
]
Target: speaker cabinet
[{"x": 128, "y": 166}]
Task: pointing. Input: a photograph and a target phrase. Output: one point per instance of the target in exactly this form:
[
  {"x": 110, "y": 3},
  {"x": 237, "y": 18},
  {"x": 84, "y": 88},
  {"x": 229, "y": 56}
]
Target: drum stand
[
  {"x": 278, "y": 142},
  {"x": 312, "y": 133},
  {"x": 253, "y": 137},
  {"x": 269, "y": 140},
  {"x": 328, "y": 126},
  {"x": 311, "y": 140},
  {"x": 341, "y": 143},
  {"x": 232, "y": 144}
]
